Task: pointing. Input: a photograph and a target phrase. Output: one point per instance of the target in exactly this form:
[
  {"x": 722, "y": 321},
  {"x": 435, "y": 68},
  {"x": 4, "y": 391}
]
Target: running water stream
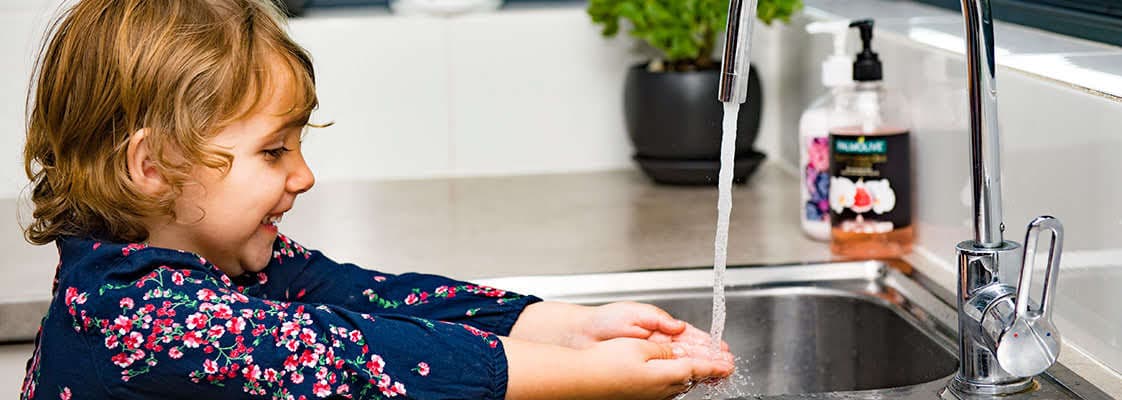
[
  {"x": 731, "y": 387},
  {"x": 724, "y": 209},
  {"x": 735, "y": 67}
]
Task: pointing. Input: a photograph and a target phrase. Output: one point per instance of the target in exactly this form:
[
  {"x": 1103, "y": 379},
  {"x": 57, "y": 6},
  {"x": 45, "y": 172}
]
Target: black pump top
[{"x": 867, "y": 66}]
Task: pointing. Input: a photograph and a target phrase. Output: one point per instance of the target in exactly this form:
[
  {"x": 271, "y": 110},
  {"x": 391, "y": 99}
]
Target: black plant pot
[{"x": 674, "y": 121}]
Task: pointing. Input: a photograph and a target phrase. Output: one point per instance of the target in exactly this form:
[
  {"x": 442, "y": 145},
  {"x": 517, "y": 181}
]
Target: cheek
[
  {"x": 269, "y": 189},
  {"x": 262, "y": 186},
  {"x": 191, "y": 205}
]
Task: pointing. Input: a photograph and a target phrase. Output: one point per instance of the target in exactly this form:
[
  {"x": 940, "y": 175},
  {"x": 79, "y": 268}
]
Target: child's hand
[
  {"x": 641, "y": 321},
  {"x": 622, "y": 368},
  {"x": 580, "y": 327},
  {"x": 642, "y": 369}
]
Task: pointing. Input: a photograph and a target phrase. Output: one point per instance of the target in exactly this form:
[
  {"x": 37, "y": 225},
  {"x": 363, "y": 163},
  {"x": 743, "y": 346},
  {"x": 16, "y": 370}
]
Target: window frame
[{"x": 1088, "y": 19}]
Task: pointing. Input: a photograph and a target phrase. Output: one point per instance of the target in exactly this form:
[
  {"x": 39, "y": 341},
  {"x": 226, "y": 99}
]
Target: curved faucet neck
[{"x": 985, "y": 146}]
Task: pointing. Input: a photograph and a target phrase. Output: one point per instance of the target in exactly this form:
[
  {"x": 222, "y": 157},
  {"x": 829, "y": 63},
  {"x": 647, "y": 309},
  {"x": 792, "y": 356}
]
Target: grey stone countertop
[{"x": 549, "y": 224}]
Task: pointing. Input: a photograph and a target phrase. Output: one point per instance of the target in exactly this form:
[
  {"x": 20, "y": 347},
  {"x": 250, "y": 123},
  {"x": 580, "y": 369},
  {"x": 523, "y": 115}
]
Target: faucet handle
[{"x": 1032, "y": 343}]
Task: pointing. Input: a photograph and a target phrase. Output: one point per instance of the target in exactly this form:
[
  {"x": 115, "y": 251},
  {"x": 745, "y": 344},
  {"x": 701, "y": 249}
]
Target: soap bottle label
[
  {"x": 816, "y": 192},
  {"x": 870, "y": 182}
]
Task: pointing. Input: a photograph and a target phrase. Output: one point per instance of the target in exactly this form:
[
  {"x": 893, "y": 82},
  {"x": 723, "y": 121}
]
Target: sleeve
[
  {"x": 177, "y": 332},
  {"x": 299, "y": 274}
]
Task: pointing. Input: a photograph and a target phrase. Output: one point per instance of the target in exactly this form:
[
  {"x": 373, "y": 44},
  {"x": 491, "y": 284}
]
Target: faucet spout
[
  {"x": 985, "y": 146},
  {"x": 736, "y": 58}
]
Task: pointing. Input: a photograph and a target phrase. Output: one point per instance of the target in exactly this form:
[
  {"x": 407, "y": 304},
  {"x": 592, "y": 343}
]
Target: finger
[
  {"x": 706, "y": 352},
  {"x": 676, "y": 390},
  {"x": 702, "y": 341},
  {"x": 686, "y": 369},
  {"x": 705, "y": 369},
  {"x": 659, "y": 337},
  {"x": 657, "y": 319},
  {"x": 632, "y": 331},
  {"x": 693, "y": 332},
  {"x": 697, "y": 336},
  {"x": 692, "y": 338},
  {"x": 672, "y": 326},
  {"x": 661, "y": 351}
]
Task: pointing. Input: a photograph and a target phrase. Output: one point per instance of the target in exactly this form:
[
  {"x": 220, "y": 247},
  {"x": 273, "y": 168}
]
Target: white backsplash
[{"x": 516, "y": 92}]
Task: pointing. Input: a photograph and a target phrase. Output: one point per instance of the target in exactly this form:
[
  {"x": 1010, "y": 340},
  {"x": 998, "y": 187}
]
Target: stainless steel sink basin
[
  {"x": 812, "y": 340},
  {"x": 855, "y": 330}
]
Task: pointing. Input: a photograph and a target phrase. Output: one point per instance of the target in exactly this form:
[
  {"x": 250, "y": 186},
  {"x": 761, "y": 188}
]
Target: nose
[{"x": 300, "y": 179}]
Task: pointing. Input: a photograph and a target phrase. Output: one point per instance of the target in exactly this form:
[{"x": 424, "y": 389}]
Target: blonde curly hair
[{"x": 180, "y": 69}]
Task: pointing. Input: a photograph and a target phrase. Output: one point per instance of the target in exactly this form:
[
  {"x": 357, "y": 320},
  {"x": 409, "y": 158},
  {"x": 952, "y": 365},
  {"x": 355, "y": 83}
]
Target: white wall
[
  {"x": 22, "y": 23},
  {"x": 515, "y": 92}
]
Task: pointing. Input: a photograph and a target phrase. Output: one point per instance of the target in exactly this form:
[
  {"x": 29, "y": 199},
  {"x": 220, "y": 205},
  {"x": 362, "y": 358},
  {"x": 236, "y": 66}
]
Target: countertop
[{"x": 549, "y": 224}]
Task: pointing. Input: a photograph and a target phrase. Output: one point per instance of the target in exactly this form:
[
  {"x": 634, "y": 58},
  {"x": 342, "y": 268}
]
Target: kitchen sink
[
  {"x": 855, "y": 330},
  {"x": 811, "y": 340}
]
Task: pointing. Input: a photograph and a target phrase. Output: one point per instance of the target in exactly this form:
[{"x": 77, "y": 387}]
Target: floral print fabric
[{"x": 130, "y": 321}]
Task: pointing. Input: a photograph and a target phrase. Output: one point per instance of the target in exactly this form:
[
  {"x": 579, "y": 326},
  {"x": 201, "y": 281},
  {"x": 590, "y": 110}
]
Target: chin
[
  {"x": 257, "y": 262},
  {"x": 257, "y": 257}
]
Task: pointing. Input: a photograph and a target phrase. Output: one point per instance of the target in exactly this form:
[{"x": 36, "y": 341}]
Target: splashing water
[{"x": 732, "y": 387}]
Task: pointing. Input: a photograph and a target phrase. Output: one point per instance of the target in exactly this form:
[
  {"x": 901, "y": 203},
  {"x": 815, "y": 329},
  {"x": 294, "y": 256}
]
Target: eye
[{"x": 274, "y": 154}]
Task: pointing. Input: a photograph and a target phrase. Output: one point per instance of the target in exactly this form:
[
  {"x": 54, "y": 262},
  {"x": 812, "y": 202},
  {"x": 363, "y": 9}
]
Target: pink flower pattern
[
  {"x": 419, "y": 296},
  {"x": 141, "y": 335},
  {"x": 197, "y": 320}
]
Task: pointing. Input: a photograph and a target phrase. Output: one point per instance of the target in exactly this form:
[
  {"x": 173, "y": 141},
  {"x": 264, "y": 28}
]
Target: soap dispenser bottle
[
  {"x": 870, "y": 163},
  {"x": 814, "y": 134}
]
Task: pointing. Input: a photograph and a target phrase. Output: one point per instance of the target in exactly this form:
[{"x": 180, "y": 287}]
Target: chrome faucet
[
  {"x": 1005, "y": 339},
  {"x": 736, "y": 58}
]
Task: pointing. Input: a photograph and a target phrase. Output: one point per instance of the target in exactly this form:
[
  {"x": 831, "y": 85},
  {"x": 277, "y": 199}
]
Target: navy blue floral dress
[{"x": 129, "y": 321}]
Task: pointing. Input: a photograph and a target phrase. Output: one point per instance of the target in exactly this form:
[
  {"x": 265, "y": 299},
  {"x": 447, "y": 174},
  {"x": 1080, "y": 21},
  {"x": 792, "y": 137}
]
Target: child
[{"x": 163, "y": 148}]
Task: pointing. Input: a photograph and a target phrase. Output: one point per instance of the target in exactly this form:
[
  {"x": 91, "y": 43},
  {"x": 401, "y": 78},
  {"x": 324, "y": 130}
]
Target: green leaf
[{"x": 684, "y": 30}]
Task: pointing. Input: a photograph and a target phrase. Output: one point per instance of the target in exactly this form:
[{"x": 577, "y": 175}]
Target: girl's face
[{"x": 231, "y": 219}]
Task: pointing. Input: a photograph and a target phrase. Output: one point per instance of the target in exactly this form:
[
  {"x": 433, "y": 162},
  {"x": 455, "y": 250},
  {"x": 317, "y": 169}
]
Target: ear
[{"x": 142, "y": 170}]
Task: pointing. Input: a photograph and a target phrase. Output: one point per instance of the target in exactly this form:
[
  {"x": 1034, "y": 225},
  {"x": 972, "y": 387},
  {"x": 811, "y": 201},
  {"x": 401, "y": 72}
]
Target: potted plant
[{"x": 670, "y": 103}]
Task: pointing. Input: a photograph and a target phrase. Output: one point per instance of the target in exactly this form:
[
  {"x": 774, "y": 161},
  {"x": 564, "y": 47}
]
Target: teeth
[{"x": 272, "y": 220}]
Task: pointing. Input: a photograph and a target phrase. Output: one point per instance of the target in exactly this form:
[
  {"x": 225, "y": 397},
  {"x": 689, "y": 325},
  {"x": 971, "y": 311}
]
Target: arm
[
  {"x": 299, "y": 274},
  {"x": 180, "y": 330}
]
